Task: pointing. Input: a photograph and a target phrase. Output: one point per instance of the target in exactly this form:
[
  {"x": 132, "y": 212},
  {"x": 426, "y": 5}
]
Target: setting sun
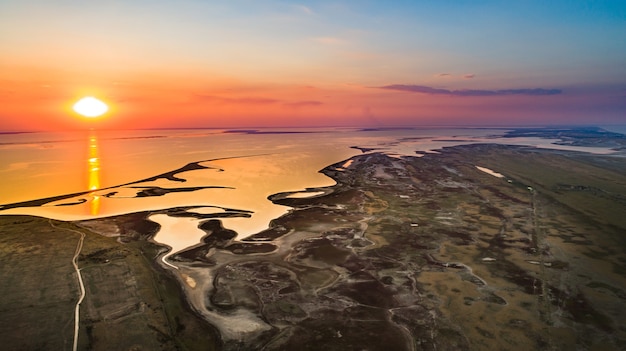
[{"x": 90, "y": 107}]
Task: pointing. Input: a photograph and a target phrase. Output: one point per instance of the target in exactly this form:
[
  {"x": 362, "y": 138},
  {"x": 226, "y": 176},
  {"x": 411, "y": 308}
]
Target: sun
[{"x": 90, "y": 107}]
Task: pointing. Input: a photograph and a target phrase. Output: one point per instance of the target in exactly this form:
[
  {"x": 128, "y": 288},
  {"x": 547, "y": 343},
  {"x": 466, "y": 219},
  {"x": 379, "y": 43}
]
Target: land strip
[
  {"x": 429, "y": 253},
  {"x": 403, "y": 253}
]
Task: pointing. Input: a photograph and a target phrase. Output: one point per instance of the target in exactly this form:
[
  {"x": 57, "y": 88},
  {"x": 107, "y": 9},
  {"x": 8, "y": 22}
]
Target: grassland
[{"x": 130, "y": 303}]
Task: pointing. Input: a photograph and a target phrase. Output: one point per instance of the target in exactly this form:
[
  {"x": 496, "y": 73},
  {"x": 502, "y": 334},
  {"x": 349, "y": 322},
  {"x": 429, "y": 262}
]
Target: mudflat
[{"x": 413, "y": 253}]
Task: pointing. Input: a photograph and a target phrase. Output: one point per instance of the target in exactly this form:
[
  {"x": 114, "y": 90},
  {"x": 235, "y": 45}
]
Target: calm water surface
[{"x": 238, "y": 170}]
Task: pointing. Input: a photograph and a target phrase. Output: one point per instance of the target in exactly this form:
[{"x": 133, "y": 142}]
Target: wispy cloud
[
  {"x": 328, "y": 40},
  {"x": 241, "y": 100},
  {"x": 421, "y": 89},
  {"x": 305, "y": 103},
  {"x": 450, "y": 75},
  {"x": 221, "y": 100},
  {"x": 304, "y": 9}
]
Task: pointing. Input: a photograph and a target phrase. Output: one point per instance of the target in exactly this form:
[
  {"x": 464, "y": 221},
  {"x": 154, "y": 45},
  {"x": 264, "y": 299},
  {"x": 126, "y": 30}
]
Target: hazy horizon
[{"x": 615, "y": 127}]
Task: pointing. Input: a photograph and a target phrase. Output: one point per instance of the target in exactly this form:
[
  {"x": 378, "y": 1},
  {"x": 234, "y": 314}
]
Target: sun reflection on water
[{"x": 93, "y": 163}]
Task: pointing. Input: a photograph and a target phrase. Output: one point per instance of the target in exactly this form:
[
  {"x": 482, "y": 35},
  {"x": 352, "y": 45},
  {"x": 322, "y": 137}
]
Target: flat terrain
[
  {"x": 38, "y": 287},
  {"x": 130, "y": 303},
  {"x": 430, "y": 253},
  {"x": 404, "y": 253}
]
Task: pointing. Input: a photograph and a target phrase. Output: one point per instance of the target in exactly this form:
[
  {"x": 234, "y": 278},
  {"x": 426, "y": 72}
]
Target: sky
[{"x": 236, "y": 63}]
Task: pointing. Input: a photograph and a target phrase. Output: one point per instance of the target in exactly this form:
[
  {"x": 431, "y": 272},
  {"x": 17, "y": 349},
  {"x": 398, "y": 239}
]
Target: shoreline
[
  {"x": 297, "y": 204},
  {"x": 340, "y": 228}
]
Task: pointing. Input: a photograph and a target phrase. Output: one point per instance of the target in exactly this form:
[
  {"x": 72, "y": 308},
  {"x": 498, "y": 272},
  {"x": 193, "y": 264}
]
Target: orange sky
[{"x": 243, "y": 64}]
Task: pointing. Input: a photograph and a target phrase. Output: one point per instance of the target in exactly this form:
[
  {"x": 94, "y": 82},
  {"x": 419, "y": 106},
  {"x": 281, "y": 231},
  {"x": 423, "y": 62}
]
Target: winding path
[{"x": 79, "y": 247}]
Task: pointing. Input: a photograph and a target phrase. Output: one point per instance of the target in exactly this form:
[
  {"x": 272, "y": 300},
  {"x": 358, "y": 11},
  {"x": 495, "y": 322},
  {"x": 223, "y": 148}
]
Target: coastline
[
  {"x": 382, "y": 203},
  {"x": 308, "y": 238}
]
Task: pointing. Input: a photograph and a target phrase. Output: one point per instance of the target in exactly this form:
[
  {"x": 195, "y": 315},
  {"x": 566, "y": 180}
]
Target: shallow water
[{"x": 114, "y": 171}]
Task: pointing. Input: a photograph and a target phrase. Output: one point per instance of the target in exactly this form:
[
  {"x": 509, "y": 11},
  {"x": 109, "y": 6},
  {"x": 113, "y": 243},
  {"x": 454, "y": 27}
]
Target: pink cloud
[
  {"x": 328, "y": 40},
  {"x": 422, "y": 89},
  {"x": 243, "y": 100},
  {"x": 305, "y": 103}
]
